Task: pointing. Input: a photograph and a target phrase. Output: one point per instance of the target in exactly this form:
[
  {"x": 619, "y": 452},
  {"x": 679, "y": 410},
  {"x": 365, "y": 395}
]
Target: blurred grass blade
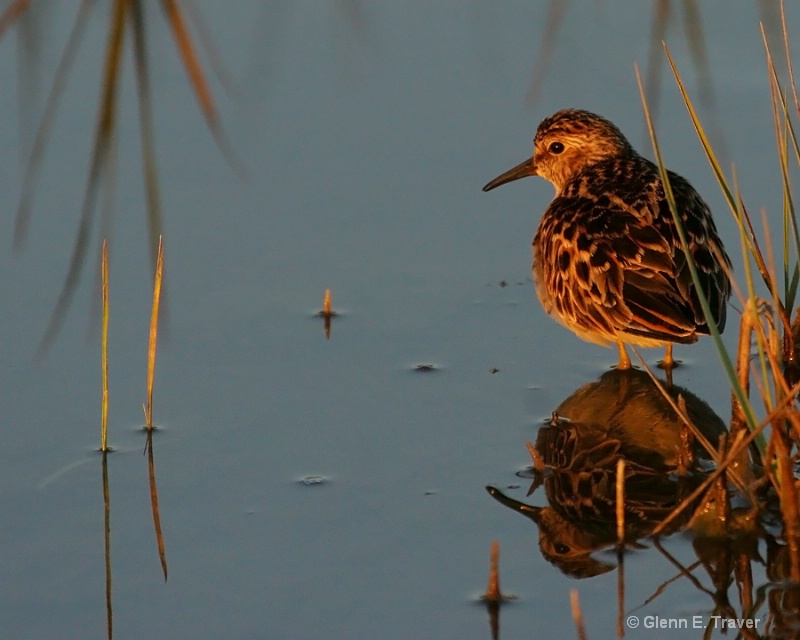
[
  {"x": 34, "y": 162},
  {"x": 552, "y": 26},
  {"x": 149, "y": 165},
  {"x": 207, "y": 42},
  {"x": 658, "y": 32},
  {"x": 712, "y": 158},
  {"x": 695, "y": 39},
  {"x": 11, "y": 13},
  {"x": 788, "y": 54},
  {"x": 197, "y": 78},
  {"x": 30, "y": 38},
  {"x": 193, "y": 66},
  {"x": 102, "y": 143},
  {"x": 693, "y": 25}
]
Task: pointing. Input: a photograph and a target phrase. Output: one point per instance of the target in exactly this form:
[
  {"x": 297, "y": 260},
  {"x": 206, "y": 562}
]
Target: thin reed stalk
[
  {"x": 104, "y": 352},
  {"x": 620, "y": 502},
  {"x": 763, "y": 375},
  {"x": 493, "y": 588},
  {"x": 153, "y": 343},
  {"x": 723, "y": 354}
]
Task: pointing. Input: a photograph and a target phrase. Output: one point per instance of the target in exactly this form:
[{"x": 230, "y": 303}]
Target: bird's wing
[
  {"x": 620, "y": 269},
  {"x": 707, "y": 252}
]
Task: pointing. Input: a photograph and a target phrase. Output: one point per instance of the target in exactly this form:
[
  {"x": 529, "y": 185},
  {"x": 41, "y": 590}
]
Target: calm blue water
[{"x": 367, "y": 131}]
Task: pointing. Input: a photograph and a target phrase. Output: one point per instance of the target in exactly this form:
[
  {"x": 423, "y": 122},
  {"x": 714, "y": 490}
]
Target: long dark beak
[{"x": 522, "y": 170}]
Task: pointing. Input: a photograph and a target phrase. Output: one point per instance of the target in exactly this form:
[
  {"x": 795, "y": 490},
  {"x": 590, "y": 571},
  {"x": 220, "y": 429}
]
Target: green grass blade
[{"x": 723, "y": 354}]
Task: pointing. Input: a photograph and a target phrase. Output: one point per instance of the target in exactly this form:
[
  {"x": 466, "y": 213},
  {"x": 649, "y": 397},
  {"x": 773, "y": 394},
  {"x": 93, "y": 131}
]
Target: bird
[{"x": 607, "y": 257}]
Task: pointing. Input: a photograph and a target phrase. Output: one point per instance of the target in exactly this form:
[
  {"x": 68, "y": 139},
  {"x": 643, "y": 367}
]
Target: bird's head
[{"x": 565, "y": 144}]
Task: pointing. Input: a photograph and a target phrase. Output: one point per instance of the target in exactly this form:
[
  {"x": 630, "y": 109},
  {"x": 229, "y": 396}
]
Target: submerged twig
[
  {"x": 107, "y": 547},
  {"x": 151, "y": 474}
]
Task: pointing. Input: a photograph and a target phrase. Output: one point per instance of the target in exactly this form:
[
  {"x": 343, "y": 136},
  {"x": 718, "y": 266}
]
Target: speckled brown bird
[{"x": 607, "y": 258}]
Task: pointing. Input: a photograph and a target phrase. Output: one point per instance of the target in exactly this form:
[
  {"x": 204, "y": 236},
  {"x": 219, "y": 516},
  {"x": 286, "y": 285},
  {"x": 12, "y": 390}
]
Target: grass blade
[
  {"x": 11, "y": 13},
  {"x": 151, "y": 352},
  {"x": 190, "y": 61},
  {"x": 198, "y": 80},
  {"x": 149, "y": 165},
  {"x": 34, "y": 162},
  {"x": 104, "y": 353},
  {"x": 102, "y": 144},
  {"x": 723, "y": 354}
]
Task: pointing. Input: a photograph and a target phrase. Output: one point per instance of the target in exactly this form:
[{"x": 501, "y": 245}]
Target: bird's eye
[{"x": 556, "y": 147}]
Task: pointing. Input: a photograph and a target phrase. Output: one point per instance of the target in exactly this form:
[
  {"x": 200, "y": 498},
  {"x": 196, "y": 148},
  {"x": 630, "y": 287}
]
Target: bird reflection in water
[{"x": 622, "y": 415}]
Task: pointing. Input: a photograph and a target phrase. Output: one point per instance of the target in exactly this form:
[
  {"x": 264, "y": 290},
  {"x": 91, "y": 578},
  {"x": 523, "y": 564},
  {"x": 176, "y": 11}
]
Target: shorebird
[{"x": 607, "y": 257}]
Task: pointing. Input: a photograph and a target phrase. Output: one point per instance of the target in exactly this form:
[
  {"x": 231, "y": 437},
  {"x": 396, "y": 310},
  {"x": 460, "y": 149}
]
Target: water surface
[{"x": 367, "y": 132}]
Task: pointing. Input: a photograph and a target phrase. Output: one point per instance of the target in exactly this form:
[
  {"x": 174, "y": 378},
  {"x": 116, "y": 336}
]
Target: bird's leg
[
  {"x": 624, "y": 360},
  {"x": 668, "y": 363}
]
